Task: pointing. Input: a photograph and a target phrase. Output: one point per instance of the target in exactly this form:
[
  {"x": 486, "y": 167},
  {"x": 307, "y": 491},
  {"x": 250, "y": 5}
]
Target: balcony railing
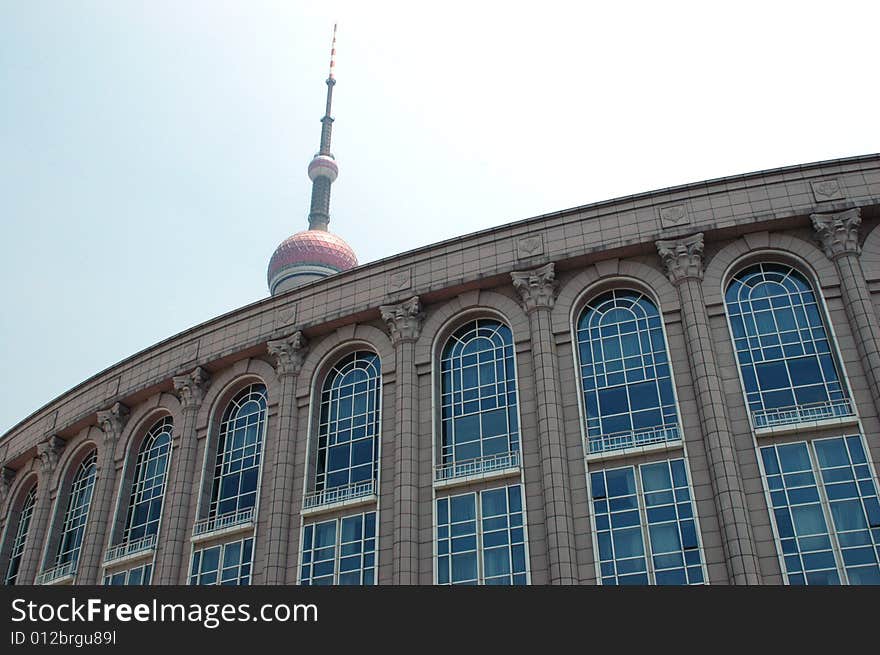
[
  {"x": 476, "y": 466},
  {"x": 768, "y": 418},
  {"x": 56, "y": 573},
  {"x": 338, "y": 494},
  {"x": 130, "y": 548},
  {"x": 223, "y": 521},
  {"x": 633, "y": 439}
]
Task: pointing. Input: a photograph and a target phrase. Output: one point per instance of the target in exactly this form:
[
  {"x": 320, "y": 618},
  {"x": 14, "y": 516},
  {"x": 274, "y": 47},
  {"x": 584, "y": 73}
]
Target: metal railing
[
  {"x": 338, "y": 494},
  {"x": 485, "y": 464},
  {"x": 768, "y": 418},
  {"x": 223, "y": 521},
  {"x": 633, "y": 438},
  {"x": 130, "y": 548},
  {"x": 56, "y": 573}
]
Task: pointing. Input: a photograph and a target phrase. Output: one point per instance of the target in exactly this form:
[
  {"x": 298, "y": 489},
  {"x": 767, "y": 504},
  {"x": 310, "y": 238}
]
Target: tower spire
[{"x": 322, "y": 169}]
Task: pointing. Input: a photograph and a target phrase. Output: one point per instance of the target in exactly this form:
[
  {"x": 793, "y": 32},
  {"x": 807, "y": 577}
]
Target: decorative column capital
[
  {"x": 537, "y": 288},
  {"x": 404, "y": 320},
  {"x": 289, "y": 353},
  {"x": 49, "y": 451},
  {"x": 191, "y": 388},
  {"x": 112, "y": 421},
  {"x": 7, "y": 475},
  {"x": 838, "y": 232},
  {"x": 682, "y": 258}
]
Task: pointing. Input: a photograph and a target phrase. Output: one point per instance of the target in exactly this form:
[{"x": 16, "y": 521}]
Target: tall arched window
[
  {"x": 148, "y": 485},
  {"x": 624, "y": 370},
  {"x": 18, "y": 543},
  {"x": 74, "y": 526},
  {"x": 239, "y": 451},
  {"x": 348, "y": 432},
  {"x": 784, "y": 351},
  {"x": 479, "y": 421}
]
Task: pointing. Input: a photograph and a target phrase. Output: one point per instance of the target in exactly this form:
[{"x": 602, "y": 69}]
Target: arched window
[
  {"x": 348, "y": 433},
  {"x": 24, "y": 522},
  {"x": 148, "y": 485},
  {"x": 624, "y": 370},
  {"x": 239, "y": 451},
  {"x": 784, "y": 351},
  {"x": 478, "y": 398},
  {"x": 74, "y": 526}
]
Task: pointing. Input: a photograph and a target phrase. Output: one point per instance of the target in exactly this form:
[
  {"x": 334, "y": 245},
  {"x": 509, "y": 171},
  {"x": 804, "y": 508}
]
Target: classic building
[{"x": 677, "y": 387}]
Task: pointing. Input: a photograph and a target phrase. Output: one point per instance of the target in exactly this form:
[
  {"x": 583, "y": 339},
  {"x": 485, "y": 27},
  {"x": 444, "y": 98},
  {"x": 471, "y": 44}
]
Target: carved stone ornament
[
  {"x": 191, "y": 387},
  {"x": 530, "y": 246},
  {"x": 838, "y": 233},
  {"x": 682, "y": 258},
  {"x": 399, "y": 281},
  {"x": 289, "y": 353},
  {"x": 7, "y": 475},
  {"x": 49, "y": 451},
  {"x": 404, "y": 320},
  {"x": 112, "y": 421},
  {"x": 826, "y": 190},
  {"x": 537, "y": 288},
  {"x": 674, "y": 215}
]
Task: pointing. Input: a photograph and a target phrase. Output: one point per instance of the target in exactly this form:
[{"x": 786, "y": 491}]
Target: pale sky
[{"x": 153, "y": 154}]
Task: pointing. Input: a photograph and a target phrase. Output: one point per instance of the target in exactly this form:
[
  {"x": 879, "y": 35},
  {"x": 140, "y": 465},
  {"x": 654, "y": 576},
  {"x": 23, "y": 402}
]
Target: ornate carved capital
[
  {"x": 7, "y": 475},
  {"x": 191, "y": 388},
  {"x": 404, "y": 320},
  {"x": 838, "y": 233},
  {"x": 289, "y": 353},
  {"x": 112, "y": 421},
  {"x": 537, "y": 288},
  {"x": 49, "y": 451},
  {"x": 682, "y": 258}
]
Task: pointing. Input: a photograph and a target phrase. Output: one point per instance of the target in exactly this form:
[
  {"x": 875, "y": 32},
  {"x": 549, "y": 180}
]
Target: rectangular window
[
  {"x": 139, "y": 575},
  {"x": 826, "y": 512},
  {"x": 645, "y": 525},
  {"x": 340, "y": 551},
  {"x": 481, "y": 538},
  {"x": 226, "y": 564}
]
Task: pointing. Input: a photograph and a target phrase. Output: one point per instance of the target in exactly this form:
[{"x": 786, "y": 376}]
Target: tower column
[
  {"x": 405, "y": 324},
  {"x": 289, "y": 354},
  {"x": 111, "y": 422},
  {"x": 537, "y": 290},
  {"x": 177, "y": 518},
  {"x": 838, "y": 233},
  {"x": 683, "y": 263},
  {"x": 48, "y": 452}
]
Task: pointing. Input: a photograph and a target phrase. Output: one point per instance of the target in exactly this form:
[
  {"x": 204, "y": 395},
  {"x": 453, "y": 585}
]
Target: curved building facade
[{"x": 676, "y": 387}]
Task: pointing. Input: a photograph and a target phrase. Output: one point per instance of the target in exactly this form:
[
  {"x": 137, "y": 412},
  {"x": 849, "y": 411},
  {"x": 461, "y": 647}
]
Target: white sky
[{"x": 153, "y": 154}]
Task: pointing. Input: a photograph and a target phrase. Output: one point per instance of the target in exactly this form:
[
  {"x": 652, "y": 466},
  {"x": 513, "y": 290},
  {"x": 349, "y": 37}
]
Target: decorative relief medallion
[
  {"x": 398, "y": 281},
  {"x": 285, "y": 316},
  {"x": 825, "y": 190},
  {"x": 674, "y": 215},
  {"x": 189, "y": 353},
  {"x": 530, "y": 246}
]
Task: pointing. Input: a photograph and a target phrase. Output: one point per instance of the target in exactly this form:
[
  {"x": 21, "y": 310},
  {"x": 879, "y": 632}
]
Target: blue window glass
[
  {"x": 479, "y": 420},
  {"x": 80, "y": 498},
  {"x": 148, "y": 485},
  {"x": 339, "y": 551},
  {"x": 239, "y": 452},
  {"x": 21, "y": 532},
  {"x": 784, "y": 351},
  {"x": 624, "y": 372},
  {"x": 224, "y": 564},
  {"x": 645, "y": 526},
  {"x": 139, "y": 575},
  {"x": 481, "y": 538},
  {"x": 825, "y": 505},
  {"x": 349, "y": 428}
]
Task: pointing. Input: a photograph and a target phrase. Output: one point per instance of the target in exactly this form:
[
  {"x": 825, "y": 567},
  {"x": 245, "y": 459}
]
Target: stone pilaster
[
  {"x": 537, "y": 289},
  {"x": 111, "y": 422},
  {"x": 176, "y": 516},
  {"x": 683, "y": 262},
  {"x": 280, "y": 454},
  {"x": 405, "y": 324},
  {"x": 48, "y": 452},
  {"x": 838, "y": 234}
]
